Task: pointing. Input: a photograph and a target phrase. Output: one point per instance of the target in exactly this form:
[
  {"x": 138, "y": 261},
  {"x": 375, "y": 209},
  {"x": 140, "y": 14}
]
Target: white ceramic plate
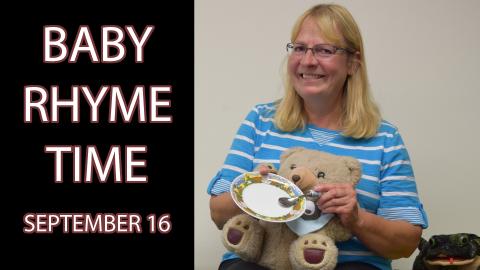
[{"x": 258, "y": 196}]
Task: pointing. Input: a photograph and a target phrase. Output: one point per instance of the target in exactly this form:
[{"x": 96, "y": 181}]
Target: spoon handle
[{"x": 312, "y": 195}]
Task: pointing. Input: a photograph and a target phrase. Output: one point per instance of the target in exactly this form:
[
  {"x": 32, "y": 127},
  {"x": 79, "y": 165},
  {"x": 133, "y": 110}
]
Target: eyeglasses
[{"x": 319, "y": 50}]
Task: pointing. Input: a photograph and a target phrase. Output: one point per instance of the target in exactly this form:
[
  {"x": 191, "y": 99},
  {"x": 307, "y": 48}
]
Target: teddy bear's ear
[
  {"x": 289, "y": 152},
  {"x": 354, "y": 167}
]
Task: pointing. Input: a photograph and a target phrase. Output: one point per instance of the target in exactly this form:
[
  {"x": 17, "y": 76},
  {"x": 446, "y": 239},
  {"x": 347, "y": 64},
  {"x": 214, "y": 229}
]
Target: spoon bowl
[{"x": 291, "y": 201}]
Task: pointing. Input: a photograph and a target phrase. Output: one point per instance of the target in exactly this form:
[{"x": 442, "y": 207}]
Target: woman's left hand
[{"x": 339, "y": 199}]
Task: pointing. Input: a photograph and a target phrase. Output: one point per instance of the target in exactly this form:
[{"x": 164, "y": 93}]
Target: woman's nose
[{"x": 309, "y": 58}]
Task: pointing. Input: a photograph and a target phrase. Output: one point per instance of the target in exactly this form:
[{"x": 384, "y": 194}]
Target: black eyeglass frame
[{"x": 291, "y": 46}]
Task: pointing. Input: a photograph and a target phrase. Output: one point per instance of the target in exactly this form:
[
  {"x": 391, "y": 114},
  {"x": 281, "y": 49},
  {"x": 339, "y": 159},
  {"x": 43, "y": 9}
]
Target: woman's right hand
[
  {"x": 222, "y": 208},
  {"x": 265, "y": 169}
]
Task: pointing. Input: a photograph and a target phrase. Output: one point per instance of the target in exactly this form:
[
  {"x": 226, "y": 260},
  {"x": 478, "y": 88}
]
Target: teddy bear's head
[{"x": 307, "y": 168}]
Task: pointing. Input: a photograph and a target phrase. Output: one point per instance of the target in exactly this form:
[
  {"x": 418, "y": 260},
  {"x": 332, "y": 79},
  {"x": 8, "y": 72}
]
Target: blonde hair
[{"x": 361, "y": 117}]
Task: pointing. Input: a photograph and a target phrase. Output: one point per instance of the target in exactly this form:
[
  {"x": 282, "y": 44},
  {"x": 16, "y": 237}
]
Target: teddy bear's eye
[
  {"x": 293, "y": 166},
  {"x": 321, "y": 175}
]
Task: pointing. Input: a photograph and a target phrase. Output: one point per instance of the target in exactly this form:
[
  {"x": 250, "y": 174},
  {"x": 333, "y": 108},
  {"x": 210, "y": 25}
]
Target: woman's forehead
[{"x": 321, "y": 29}]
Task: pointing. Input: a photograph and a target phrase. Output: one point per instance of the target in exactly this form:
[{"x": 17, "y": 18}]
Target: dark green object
[{"x": 459, "y": 251}]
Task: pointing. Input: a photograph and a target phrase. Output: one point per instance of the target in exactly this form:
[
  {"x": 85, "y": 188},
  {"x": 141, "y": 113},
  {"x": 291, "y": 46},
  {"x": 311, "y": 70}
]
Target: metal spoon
[{"x": 288, "y": 202}]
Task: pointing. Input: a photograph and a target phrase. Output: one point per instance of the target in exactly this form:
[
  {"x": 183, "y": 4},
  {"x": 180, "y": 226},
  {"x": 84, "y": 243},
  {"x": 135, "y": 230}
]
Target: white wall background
[{"x": 423, "y": 60}]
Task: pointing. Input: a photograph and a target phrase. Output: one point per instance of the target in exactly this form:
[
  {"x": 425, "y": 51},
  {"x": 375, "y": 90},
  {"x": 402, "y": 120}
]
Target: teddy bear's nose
[{"x": 295, "y": 178}]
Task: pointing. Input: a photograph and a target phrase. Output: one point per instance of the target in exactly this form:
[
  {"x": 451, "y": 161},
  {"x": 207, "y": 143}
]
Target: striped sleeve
[
  {"x": 399, "y": 196},
  {"x": 240, "y": 157}
]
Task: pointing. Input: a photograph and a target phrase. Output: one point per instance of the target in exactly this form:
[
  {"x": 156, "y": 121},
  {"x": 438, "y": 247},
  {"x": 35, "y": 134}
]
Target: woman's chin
[{"x": 311, "y": 91}]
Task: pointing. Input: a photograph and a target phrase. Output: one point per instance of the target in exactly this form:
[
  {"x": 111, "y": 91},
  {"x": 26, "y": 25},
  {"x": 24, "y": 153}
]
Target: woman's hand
[
  {"x": 339, "y": 199},
  {"x": 265, "y": 169},
  {"x": 391, "y": 239}
]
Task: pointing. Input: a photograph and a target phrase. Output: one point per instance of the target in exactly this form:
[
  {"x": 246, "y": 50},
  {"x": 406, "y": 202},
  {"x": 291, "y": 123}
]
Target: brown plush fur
[{"x": 274, "y": 245}]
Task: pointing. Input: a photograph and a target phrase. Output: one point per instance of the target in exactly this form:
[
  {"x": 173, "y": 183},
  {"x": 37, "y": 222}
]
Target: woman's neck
[{"x": 324, "y": 114}]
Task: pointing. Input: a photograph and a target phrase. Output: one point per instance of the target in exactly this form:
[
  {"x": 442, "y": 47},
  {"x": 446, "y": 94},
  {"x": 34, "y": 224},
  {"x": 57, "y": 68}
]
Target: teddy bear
[{"x": 276, "y": 245}]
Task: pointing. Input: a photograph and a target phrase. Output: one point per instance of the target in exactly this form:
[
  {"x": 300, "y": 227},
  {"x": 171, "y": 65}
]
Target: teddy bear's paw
[
  {"x": 244, "y": 236},
  {"x": 313, "y": 251}
]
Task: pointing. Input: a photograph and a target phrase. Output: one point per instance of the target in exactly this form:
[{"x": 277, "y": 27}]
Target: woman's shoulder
[
  {"x": 265, "y": 110},
  {"x": 387, "y": 127}
]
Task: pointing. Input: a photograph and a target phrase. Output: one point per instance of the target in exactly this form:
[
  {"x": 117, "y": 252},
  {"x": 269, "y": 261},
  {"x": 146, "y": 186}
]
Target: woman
[{"x": 327, "y": 106}]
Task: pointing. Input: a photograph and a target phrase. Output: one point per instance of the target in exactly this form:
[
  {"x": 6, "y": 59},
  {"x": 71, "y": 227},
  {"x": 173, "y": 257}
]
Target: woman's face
[{"x": 314, "y": 76}]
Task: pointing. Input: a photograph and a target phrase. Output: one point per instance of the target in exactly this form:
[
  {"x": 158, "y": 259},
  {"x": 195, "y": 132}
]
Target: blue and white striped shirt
[{"x": 387, "y": 186}]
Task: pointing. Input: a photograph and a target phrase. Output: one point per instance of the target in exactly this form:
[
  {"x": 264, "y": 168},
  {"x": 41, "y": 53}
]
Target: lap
[
  {"x": 355, "y": 266},
  {"x": 239, "y": 264}
]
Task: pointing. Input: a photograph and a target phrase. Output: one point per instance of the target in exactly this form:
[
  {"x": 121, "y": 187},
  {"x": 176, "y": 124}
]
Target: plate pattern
[{"x": 252, "y": 178}]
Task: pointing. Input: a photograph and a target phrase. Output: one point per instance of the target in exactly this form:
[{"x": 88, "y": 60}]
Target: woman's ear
[{"x": 354, "y": 63}]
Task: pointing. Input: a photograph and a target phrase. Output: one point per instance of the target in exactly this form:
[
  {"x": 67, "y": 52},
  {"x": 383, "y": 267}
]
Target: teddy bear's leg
[
  {"x": 244, "y": 235},
  {"x": 313, "y": 251}
]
